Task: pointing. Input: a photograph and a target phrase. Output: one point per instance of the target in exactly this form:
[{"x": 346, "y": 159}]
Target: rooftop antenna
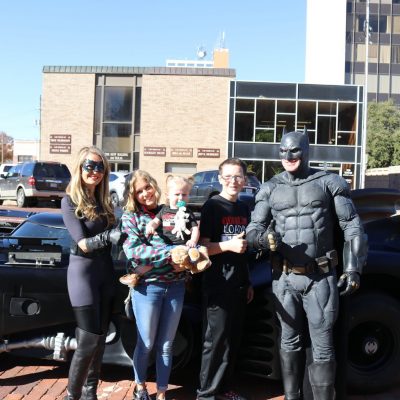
[{"x": 221, "y": 41}]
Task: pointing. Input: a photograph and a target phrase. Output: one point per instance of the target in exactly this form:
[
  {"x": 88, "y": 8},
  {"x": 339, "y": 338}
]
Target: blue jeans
[{"x": 157, "y": 308}]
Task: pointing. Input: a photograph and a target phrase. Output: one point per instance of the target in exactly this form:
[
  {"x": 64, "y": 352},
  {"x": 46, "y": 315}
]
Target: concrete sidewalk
[{"x": 33, "y": 379}]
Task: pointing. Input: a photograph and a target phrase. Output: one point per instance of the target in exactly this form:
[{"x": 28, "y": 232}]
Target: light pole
[{"x": 365, "y": 99}]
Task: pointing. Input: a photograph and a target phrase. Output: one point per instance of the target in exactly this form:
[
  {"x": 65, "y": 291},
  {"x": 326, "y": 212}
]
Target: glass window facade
[
  {"x": 383, "y": 48},
  {"x": 331, "y": 114},
  {"x": 117, "y": 119}
]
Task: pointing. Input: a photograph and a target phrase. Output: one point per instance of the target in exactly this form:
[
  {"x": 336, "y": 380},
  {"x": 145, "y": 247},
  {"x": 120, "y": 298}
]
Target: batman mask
[{"x": 295, "y": 146}]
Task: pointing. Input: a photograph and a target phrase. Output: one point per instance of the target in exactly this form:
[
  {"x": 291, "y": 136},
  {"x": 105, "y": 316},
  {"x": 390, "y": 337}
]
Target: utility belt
[
  {"x": 321, "y": 265},
  {"x": 77, "y": 251}
]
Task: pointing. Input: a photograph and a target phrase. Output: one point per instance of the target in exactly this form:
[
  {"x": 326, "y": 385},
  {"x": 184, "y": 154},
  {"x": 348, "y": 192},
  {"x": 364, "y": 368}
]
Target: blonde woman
[
  {"x": 89, "y": 218},
  {"x": 158, "y": 298}
]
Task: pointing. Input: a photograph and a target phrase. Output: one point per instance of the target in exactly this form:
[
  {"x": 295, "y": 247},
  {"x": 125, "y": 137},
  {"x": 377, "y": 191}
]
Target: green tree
[
  {"x": 6, "y": 148},
  {"x": 383, "y": 135}
]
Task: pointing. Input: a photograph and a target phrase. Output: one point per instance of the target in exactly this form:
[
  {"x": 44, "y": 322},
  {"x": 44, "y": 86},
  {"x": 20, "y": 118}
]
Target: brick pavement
[{"x": 30, "y": 379}]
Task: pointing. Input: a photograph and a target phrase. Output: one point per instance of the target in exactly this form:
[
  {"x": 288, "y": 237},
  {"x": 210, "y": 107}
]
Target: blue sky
[{"x": 265, "y": 38}]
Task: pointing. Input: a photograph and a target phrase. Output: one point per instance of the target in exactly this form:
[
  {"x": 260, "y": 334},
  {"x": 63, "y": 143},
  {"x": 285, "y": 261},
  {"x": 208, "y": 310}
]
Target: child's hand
[
  {"x": 238, "y": 244},
  {"x": 150, "y": 229},
  {"x": 191, "y": 243}
]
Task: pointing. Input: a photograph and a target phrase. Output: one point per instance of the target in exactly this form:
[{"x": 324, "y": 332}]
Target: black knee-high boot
[
  {"x": 81, "y": 361},
  {"x": 89, "y": 391},
  {"x": 292, "y": 366},
  {"x": 322, "y": 379}
]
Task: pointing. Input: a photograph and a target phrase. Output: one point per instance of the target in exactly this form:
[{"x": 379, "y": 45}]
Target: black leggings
[{"x": 94, "y": 318}]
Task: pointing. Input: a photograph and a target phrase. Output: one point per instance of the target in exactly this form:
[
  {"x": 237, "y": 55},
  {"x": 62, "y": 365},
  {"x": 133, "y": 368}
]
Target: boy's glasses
[
  {"x": 236, "y": 178},
  {"x": 93, "y": 166}
]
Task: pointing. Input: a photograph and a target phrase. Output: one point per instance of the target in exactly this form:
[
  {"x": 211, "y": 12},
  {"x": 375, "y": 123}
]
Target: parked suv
[
  {"x": 27, "y": 182},
  {"x": 206, "y": 185}
]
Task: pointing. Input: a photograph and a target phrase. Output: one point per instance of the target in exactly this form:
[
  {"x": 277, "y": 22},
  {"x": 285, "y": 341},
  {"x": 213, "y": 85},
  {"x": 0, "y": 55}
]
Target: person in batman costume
[{"x": 294, "y": 217}]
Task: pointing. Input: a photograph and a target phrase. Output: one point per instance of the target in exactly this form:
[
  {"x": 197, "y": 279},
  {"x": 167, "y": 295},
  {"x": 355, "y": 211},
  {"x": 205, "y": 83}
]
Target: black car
[
  {"x": 206, "y": 185},
  {"x": 36, "y": 313},
  {"x": 30, "y": 181}
]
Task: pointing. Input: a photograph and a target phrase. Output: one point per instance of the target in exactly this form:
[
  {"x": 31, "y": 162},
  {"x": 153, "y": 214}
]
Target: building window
[
  {"x": 306, "y": 113},
  {"x": 384, "y": 83},
  {"x": 180, "y": 168},
  {"x": 117, "y": 104},
  {"x": 395, "y": 54},
  {"x": 377, "y": 23},
  {"x": 244, "y": 105},
  {"x": 265, "y": 114},
  {"x": 384, "y": 54},
  {"x": 265, "y": 135},
  {"x": 347, "y": 120},
  {"x": 244, "y": 127},
  {"x": 284, "y": 122}
]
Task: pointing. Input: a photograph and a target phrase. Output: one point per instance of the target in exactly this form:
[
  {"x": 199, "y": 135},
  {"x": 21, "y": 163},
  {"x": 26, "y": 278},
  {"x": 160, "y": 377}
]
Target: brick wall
[
  {"x": 67, "y": 108},
  {"x": 186, "y": 112}
]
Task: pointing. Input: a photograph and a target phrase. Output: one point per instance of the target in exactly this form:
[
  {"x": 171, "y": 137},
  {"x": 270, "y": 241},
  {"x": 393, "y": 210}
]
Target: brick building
[{"x": 163, "y": 120}]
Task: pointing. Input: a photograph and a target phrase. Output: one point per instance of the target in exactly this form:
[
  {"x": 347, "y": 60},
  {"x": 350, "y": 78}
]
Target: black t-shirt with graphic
[
  {"x": 221, "y": 220},
  {"x": 167, "y": 215}
]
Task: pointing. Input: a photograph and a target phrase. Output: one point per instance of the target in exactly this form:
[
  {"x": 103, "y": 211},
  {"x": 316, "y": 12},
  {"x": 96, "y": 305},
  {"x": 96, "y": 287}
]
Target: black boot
[
  {"x": 89, "y": 391},
  {"x": 322, "y": 379},
  {"x": 292, "y": 366},
  {"x": 81, "y": 360}
]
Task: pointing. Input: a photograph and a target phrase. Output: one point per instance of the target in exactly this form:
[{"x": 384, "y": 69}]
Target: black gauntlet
[
  {"x": 354, "y": 257},
  {"x": 103, "y": 239}
]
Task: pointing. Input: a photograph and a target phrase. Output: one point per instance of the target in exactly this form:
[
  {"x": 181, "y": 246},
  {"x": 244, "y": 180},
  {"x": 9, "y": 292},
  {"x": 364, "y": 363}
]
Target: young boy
[{"x": 226, "y": 287}]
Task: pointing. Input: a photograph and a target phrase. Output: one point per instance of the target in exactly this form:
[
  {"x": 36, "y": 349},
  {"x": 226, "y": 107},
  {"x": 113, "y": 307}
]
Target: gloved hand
[
  {"x": 352, "y": 282},
  {"x": 103, "y": 239},
  {"x": 271, "y": 238}
]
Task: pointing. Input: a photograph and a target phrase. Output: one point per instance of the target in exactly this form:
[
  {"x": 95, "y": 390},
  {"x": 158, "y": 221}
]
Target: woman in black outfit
[{"x": 88, "y": 216}]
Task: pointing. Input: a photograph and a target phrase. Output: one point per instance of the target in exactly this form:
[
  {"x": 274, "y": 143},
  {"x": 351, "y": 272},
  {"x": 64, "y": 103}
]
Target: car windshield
[
  {"x": 51, "y": 171},
  {"x": 252, "y": 181},
  {"x": 55, "y": 235}
]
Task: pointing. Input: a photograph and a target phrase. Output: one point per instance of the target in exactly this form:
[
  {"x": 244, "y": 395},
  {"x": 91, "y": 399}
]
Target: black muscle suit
[
  {"x": 91, "y": 287},
  {"x": 304, "y": 206}
]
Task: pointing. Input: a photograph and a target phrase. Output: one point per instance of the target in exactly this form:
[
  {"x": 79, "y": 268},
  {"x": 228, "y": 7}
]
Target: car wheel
[
  {"x": 374, "y": 342},
  {"x": 21, "y": 199},
  {"x": 114, "y": 199}
]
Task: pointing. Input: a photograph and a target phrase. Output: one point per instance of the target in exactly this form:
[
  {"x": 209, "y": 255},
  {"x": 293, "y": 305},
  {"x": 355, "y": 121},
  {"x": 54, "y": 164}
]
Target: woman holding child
[{"x": 158, "y": 298}]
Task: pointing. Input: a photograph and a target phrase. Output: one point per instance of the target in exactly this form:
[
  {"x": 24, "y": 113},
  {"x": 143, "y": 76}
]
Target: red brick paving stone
[
  {"x": 24, "y": 389},
  {"x": 58, "y": 388},
  {"x": 14, "y": 397}
]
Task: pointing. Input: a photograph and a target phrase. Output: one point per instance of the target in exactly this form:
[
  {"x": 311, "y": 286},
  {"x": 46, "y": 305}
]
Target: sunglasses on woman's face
[{"x": 93, "y": 166}]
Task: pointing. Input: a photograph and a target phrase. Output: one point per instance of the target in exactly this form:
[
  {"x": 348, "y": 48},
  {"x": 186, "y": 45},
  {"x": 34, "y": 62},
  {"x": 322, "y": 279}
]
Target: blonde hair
[
  {"x": 178, "y": 181},
  {"x": 130, "y": 193},
  {"x": 85, "y": 205}
]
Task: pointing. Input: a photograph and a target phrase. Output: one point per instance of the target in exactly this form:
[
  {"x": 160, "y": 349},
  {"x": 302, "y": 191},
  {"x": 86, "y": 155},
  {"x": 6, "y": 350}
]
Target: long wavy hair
[
  {"x": 132, "y": 204},
  {"x": 87, "y": 207}
]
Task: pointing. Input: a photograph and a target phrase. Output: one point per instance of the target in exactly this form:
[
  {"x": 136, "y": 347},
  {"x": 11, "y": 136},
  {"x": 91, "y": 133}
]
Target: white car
[
  {"x": 117, "y": 187},
  {"x": 4, "y": 168}
]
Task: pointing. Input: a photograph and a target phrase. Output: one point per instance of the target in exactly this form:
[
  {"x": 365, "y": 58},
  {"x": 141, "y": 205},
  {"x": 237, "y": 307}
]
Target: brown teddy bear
[
  {"x": 130, "y": 280},
  {"x": 194, "y": 259}
]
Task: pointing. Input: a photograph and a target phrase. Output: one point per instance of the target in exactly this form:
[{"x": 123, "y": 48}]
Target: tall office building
[{"x": 336, "y": 45}]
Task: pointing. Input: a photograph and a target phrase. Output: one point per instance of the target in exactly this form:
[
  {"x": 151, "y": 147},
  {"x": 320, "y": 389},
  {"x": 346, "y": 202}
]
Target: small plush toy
[
  {"x": 194, "y": 259},
  {"x": 180, "y": 220},
  {"x": 130, "y": 280}
]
